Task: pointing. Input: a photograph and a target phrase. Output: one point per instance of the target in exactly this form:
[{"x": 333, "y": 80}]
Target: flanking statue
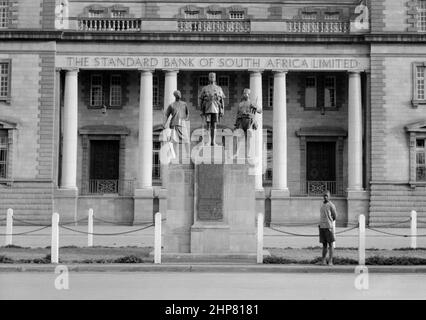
[
  {"x": 212, "y": 105},
  {"x": 246, "y": 114}
]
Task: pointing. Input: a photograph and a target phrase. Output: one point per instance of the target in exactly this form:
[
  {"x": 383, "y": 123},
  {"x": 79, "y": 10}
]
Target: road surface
[{"x": 212, "y": 286}]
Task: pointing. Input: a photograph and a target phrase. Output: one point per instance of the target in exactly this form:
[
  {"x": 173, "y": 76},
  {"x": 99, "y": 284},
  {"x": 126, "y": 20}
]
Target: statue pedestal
[
  {"x": 211, "y": 210},
  {"x": 224, "y": 211}
]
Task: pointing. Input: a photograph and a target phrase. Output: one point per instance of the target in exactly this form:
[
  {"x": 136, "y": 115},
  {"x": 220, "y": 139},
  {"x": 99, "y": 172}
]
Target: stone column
[
  {"x": 280, "y": 133},
  {"x": 256, "y": 97},
  {"x": 70, "y": 118},
  {"x": 170, "y": 85},
  {"x": 144, "y": 192},
  {"x": 357, "y": 198},
  {"x": 354, "y": 133},
  {"x": 145, "y": 131},
  {"x": 65, "y": 197},
  {"x": 280, "y": 196}
]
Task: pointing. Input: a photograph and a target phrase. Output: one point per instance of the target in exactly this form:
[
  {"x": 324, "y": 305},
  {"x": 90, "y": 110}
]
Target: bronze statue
[
  {"x": 212, "y": 105},
  {"x": 176, "y": 115},
  {"x": 246, "y": 115}
]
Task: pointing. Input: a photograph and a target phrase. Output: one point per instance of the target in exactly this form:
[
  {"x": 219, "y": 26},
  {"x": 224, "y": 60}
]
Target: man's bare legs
[
  {"x": 324, "y": 253},
  {"x": 330, "y": 253}
]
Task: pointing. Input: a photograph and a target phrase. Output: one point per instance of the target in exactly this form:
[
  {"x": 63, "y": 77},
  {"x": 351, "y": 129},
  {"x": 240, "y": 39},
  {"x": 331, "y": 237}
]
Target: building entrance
[
  {"x": 104, "y": 166},
  {"x": 321, "y": 167}
]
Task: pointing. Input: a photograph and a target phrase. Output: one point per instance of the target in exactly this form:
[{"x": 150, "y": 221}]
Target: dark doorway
[
  {"x": 321, "y": 161},
  {"x": 104, "y": 166}
]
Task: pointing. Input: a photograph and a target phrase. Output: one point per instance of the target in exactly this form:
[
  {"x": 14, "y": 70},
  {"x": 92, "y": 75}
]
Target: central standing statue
[{"x": 212, "y": 105}]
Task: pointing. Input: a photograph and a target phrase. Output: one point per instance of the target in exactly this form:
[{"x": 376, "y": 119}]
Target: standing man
[
  {"x": 212, "y": 105},
  {"x": 176, "y": 114},
  {"x": 326, "y": 236}
]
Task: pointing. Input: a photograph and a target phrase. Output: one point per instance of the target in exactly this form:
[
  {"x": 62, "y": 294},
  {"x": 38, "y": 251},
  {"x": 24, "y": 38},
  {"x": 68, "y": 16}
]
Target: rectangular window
[
  {"x": 115, "y": 91},
  {"x": 191, "y": 14},
  {"x": 4, "y": 13},
  {"x": 4, "y": 150},
  {"x": 330, "y": 92},
  {"x": 420, "y": 160},
  {"x": 118, "y": 13},
  {"x": 156, "y": 91},
  {"x": 309, "y": 15},
  {"x": 421, "y": 15},
  {"x": 236, "y": 15},
  {"x": 310, "y": 92},
  {"x": 420, "y": 83},
  {"x": 4, "y": 80},
  {"x": 331, "y": 16},
  {"x": 214, "y": 15},
  {"x": 156, "y": 166},
  {"x": 96, "y": 90},
  {"x": 270, "y": 92},
  {"x": 267, "y": 178},
  {"x": 96, "y": 13}
]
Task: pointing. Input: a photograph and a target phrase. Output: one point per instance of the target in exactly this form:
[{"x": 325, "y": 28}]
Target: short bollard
[
  {"x": 260, "y": 222},
  {"x": 157, "y": 241},
  {"x": 413, "y": 229},
  {"x": 9, "y": 227},
  {"x": 361, "y": 240},
  {"x": 90, "y": 228},
  {"x": 54, "y": 247}
]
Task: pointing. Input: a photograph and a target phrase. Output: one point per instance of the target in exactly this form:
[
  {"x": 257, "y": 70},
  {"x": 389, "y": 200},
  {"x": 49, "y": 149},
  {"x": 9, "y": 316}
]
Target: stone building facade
[{"x": 84, "y": 85}]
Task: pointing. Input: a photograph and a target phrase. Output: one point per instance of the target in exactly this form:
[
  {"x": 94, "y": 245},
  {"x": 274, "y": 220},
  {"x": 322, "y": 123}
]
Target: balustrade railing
[
  {"x": 317, "y": 26},
  {"x": 109, "y": 24},
  {"x": 219, "y": 26},
  {"x": 108, "y": 186},
  {"x": 317, "y": 188}
]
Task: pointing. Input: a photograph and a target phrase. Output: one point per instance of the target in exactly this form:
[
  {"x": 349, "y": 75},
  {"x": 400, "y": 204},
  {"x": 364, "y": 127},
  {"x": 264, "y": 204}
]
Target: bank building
[{"x": 84, "y": 86}]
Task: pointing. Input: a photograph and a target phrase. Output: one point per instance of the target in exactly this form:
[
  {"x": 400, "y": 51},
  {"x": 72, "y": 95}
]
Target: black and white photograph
[{"x": 206, "y": 158}]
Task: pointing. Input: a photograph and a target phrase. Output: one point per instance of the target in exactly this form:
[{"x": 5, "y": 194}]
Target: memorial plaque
[{"x": 210, "y": 192}]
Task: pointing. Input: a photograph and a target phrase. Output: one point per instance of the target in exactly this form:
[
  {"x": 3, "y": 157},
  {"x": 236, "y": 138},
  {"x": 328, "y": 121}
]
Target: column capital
[
  {"x": 255, "y": 71},
  {"x": 70, "y": 69},
  {"x": 171, "y": 71},
  {"x": 279, "y": 73},
  {"x": 355, "y": 71},
  {"x": 142, "y": 71}
]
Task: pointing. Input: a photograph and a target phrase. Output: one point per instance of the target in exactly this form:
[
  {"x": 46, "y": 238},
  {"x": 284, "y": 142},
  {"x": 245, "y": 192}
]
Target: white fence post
[
  {"x": 54, "y": 247},
  {"x": 413, "y": 229},
  {"x": 260, "y": 222},
  {"x": 157, "y": 241},
  {"x": 90, "y": 228},
  {"x": 334, "y": 233},
  {"x": 9, "y": 227},
  {"x": 361, "y": 240}
]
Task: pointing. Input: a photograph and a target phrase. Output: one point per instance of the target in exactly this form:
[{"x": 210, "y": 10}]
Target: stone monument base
[{"x": 211, "y": 211}]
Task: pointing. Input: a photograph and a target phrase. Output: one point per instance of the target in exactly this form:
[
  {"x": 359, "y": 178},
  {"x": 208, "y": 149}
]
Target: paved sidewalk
[
  {"x": 272, "y": 239},
  {"x": 210, "y": 267}
]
